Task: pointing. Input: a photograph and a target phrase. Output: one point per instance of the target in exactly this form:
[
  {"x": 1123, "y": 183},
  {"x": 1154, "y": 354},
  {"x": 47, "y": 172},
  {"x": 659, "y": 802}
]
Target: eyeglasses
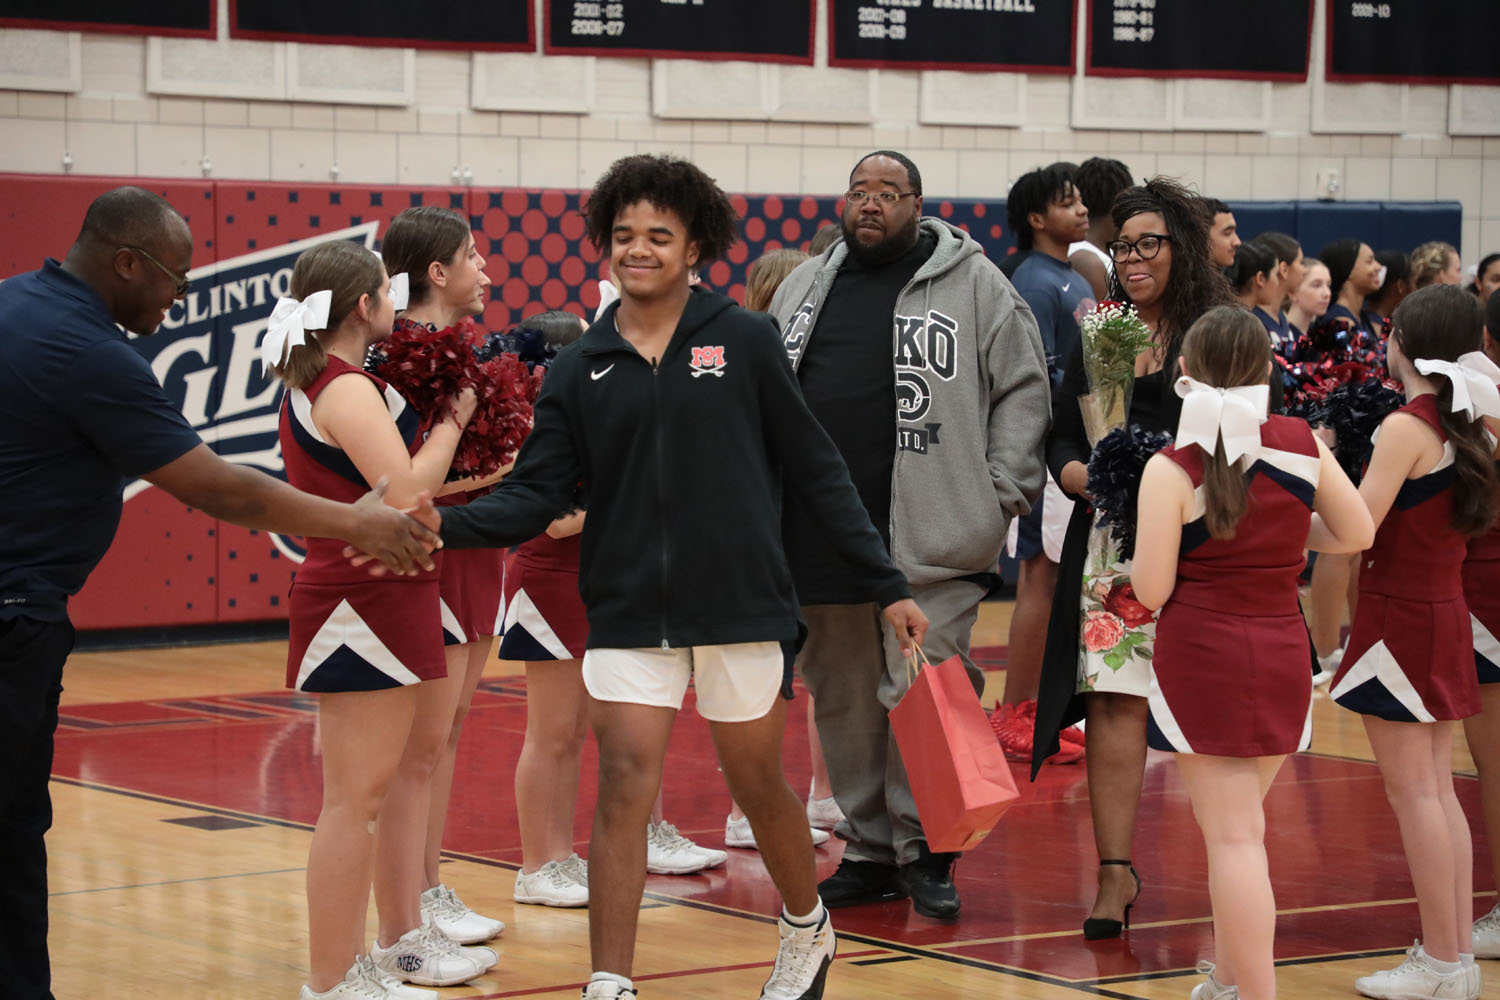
[
  {"x": 1147, "y": 247},
  {"x": 883, "y": 197},
  {"x": 182, "y": 280}
]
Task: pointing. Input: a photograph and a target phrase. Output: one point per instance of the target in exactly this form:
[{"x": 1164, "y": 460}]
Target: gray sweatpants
[{"x": 856, "y": 673}]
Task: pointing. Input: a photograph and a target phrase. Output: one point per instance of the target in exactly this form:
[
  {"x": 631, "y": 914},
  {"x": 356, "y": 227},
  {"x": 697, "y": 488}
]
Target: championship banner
[
  {"x": 493, "y": 26},
  {"x": 1268, "y": 40},
  {"x": 1414, "y": 41},
  {"x": 763, "y": 31},
  {"x": 1019, "y": 36},
  {"x": 181, "y": 18}
]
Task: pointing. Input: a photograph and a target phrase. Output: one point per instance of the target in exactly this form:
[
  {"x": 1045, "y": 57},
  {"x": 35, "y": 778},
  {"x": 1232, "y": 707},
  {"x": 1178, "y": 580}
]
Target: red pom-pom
[{"x": 428, "y": 367}]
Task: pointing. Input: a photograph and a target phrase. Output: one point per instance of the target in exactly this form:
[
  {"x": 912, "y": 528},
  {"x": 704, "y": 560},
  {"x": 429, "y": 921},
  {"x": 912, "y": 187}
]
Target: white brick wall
[{"x": 115, "y": 126}]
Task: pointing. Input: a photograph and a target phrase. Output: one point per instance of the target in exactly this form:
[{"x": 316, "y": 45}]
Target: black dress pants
[{"x": 32, "y": 654}]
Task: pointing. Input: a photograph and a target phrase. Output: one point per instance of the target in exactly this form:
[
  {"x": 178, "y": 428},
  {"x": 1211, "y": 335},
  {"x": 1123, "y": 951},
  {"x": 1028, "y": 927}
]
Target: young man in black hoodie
[{"x": 680, "y": 417}]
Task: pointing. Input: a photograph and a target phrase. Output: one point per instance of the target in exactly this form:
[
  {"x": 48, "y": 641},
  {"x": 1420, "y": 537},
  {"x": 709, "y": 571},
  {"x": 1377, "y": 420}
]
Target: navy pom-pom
[
  {"x": 1353, "y": 410},
  {"x": 1115, "y": 479},
  {"x": 527, "y": 344}
]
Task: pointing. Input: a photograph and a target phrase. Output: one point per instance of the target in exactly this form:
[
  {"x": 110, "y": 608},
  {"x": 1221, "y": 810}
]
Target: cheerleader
[
  {"x": 366, "y": 646},
  {"x": 1224, "y": 519},
  {"x": 1482, "y": 731},
  {"x": 435, "y": 248},
  {"x": 1409, "y": 669}
]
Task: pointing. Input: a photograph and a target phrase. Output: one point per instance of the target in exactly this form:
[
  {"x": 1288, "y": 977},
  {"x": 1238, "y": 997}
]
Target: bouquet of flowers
[
  {"x": 1113, "y": 335},
  {"x": 429, "y": 366}
]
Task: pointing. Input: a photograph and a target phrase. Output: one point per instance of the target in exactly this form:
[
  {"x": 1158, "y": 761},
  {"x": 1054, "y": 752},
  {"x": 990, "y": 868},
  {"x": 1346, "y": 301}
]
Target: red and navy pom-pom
[
  {"x": 1330, "y": 354},
  {"x": 525, "y": 343},
  {"x": 1115, "y": 479}
]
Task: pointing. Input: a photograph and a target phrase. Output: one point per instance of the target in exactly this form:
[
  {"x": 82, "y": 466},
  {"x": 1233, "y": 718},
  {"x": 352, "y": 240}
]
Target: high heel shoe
[{"x": 1102, "y": 928}]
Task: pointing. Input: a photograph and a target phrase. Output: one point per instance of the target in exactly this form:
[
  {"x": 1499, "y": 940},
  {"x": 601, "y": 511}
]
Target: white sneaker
[
  {"x": 358, "y": 984},
  {"x": 575, "y": 868},
  {"x": 1327, "y": 667},
  {"x": 824, "y": 814},
  {"x": 1486, "y": 940},
  {"x": 442, "y": 906},
  {"x": 550, "y": 885},
  {"x": 737, "y": 833},
  {"x": 1213, "y": 989},
  {"x": 802, "y": 961},
  {"x": 670, "y": 853},
  {"x": 1473, "y": 981},
  {"x": 428, "y": 957},
  {"x": 394, "y": 988},
  {"x": 1414, "y": 979},
  {"x": 606, "y": 989}
]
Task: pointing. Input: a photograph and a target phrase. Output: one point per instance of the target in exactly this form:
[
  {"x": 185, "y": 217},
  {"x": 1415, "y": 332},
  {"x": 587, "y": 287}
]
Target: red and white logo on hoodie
[{"x": 708, "y": 361}]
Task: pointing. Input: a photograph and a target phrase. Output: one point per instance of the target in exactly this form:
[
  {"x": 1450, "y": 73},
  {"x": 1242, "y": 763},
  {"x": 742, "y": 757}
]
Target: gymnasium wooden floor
[{"x": 187, "y": 782}]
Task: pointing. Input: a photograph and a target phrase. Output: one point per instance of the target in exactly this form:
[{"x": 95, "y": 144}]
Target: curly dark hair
[
  {"x": 1194, "y": 284},
  {"x": 667, "y": 183}
]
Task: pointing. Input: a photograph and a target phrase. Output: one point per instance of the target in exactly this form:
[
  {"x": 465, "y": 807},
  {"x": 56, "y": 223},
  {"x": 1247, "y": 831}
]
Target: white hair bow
[
  {"x": 607, "y": 294},
  {"x": 1210, "y": 413},
  {"x": 400, "y": 290},
  {"x": 289, "y": 324},
  {"x": 1474, "y": 377}
]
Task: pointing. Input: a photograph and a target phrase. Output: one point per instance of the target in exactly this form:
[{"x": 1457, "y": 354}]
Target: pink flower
[{"x": 1102, "y": 631}]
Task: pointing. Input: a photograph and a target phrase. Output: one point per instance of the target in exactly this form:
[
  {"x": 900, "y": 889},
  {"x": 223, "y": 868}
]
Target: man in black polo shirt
[{"x": 79, "y": 411}]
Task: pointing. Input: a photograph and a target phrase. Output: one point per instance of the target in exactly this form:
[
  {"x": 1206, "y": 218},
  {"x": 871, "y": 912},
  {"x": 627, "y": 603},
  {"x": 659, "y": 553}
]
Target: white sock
[
  {"x": 811, "y": 920},
  {"x": 1443, "y": 968},
  {"x": 610, "y": 977},
  {"x": 1466, "y": 958}
]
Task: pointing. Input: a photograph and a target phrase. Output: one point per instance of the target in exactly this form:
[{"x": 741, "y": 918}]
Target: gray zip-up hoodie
[{"x": 973, "y": 402}]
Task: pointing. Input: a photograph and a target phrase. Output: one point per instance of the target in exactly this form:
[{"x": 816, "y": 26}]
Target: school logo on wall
[
  {"x": 708, "y": 361},
  {"x": 206, "y": 355}
]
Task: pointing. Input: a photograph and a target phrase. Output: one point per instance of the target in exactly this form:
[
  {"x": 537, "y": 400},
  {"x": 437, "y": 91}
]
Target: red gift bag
[{"x": 958, "y": 773}]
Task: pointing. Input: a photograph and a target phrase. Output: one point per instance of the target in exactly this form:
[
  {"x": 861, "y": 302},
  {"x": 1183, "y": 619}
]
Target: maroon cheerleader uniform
[
  {"x": 351, "y": 631},
  {"x": 472, "y": 587},
  {"x": 1411, "y": 643},
  {"x": 1229, "y": 671},
  {"x": 1482, "y": 595},
  {"x": 544, "y": 617}
]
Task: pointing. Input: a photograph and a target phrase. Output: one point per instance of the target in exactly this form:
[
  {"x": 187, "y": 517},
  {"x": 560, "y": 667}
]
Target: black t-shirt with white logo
[{"x": 849, "y": 380}]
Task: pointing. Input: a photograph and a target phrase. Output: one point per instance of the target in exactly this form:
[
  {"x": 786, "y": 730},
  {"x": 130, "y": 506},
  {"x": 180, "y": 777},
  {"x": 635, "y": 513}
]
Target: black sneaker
[
  {"x": 929, "y": 882},
  {"x": 858, "y": 882}
]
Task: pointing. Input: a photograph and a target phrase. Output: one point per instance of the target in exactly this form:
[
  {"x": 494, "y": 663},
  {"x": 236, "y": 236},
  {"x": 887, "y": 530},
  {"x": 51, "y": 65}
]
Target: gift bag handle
[{"x": 915, "y": 661}]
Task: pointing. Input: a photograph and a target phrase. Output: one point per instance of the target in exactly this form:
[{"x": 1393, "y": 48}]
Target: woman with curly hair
[
  {"x": 679, "y": 417},
  {"x": 1436, "y": 263},
  {"x": 1163, "y": 267}
]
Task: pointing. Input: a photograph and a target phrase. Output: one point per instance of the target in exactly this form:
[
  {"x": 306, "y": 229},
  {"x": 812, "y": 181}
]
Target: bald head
[
  {"x": 131, "y": 216},
  {"x": 135, "y": 250}
]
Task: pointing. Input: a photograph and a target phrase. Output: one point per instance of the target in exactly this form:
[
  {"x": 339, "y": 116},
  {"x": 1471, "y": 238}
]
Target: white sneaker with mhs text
[
  {"x": 359, "y": 983},
  {"x": 1414, "y": 979},
  {"x": 395, "y": 989},
  {"x": 737, "y": 833},
  {"x": 550, "y": 885},
  {"x": 442, "y": 906},
  {"x": 802, "y": 961},
  {"x": 670, "y": 853},
  {"x": 428, "y": 957}
]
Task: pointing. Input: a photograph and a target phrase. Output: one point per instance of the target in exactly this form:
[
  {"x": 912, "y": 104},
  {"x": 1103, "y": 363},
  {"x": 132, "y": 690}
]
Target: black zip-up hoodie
[{"x": 683, "y": 465}]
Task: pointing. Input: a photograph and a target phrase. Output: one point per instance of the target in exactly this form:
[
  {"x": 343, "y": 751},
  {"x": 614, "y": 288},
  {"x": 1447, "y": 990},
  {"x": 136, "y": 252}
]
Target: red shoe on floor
[{"x": 1014, "y": 726}]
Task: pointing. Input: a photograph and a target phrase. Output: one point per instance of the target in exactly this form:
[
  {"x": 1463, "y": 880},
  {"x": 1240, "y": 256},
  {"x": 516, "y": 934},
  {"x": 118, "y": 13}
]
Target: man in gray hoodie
[{"x": 926, "y": 368}]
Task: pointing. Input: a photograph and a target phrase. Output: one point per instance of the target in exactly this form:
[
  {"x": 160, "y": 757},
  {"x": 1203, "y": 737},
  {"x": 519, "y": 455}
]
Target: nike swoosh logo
[
  {"x": 596, "y": 376},
  {"x": 1065, "y": 287}
]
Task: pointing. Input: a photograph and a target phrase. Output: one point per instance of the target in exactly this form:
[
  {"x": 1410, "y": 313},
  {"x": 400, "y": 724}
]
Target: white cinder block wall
[{"x": 125, "y": 105}]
